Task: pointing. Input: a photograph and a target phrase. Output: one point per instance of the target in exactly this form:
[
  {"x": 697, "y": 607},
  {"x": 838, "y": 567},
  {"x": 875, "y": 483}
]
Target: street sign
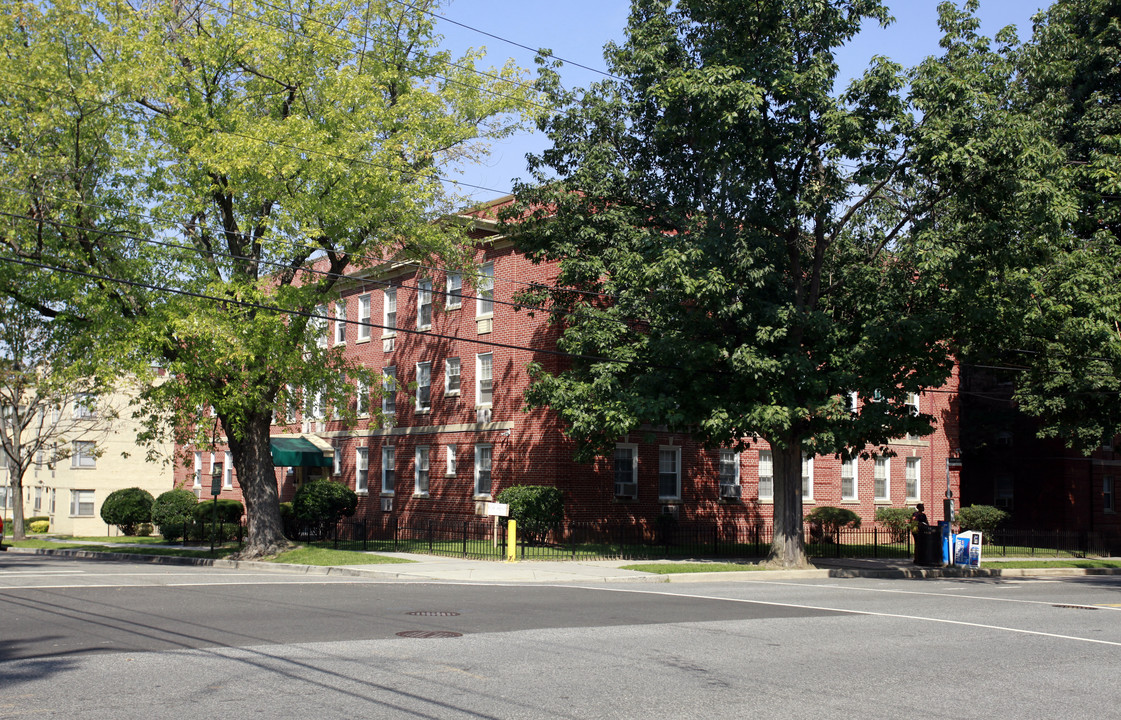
[{"x": 498, "y": 509}]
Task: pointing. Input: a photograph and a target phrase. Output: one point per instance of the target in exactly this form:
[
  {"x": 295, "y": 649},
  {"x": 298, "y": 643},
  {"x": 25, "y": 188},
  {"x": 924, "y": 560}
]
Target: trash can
[{"x": 928, "y": 546}]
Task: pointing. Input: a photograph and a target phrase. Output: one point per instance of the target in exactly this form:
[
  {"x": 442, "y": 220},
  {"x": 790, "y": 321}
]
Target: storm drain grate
[
  {"x": 429, "y": 634},
  {"x": 1076, "y": 607},
  {"x": 433, "y": 613}
]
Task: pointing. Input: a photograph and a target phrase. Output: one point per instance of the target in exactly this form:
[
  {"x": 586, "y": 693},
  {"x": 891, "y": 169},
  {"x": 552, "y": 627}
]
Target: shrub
[
  {"x": 39, "y": 526},
  {"x": 826, "y": 521},
  {"x": 172, "y": 511},
  {"x": 35, "y": 518},
  {"x": 229, "y": 511},
  {"x": 985, "y": 518},
  {"x": 322, "y": 503},
  {"x": 144, "y": 530},
  {"x": 536, "y": 508},
  {"x": 288, "y": 520},
  {"x": 896, "y": 520},
  {"x": 127, "y": 508}
]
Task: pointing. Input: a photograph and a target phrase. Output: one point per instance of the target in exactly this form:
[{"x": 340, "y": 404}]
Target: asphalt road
[{"x": 89, "y": 639}]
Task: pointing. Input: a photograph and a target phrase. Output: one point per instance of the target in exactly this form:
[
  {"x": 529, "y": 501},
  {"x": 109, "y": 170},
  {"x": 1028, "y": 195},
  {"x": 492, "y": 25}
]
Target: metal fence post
[
  {"x": 875, "y": 542},
  {"x": 464, "y": 538},
  {"x": 395, "y": 545}
]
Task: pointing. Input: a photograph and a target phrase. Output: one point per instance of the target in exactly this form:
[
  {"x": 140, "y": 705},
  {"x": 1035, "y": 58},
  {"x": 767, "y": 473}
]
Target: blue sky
[{"x": 577, "y": 30}]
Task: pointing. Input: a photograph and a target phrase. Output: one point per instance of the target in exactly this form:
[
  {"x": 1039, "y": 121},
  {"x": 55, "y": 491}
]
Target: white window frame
[
  {"x": 631, "y": 473},
  {"x": 850, "y": 470},
  {"x": 198, "y": 470},
  {"x": 85, "y": 406},
  {"x": 674, "y": 452},
  {"x": 422, "y": 471},
  {"x": 79, "y": 500},
  {"x": 83, "y": 454},
  {"x": 340, "y": 322},
  {"x": 389, "y": 312},
  {"x": 290, "y": 407},
  {"x": 480, "y": 380},
  {"x": 361, "y": 470},
  {"x": 484, "y": 299},
  {"x": 766, "y": 476},
  {"x": 852, "y": 401},
  {"x": 885, "y": 463},
  {"x": 424, "y": 305},
  {"x": 228, "y": 472},
  {"x": 388, "y": 470},
  {"x": 807, "y": 478},
  {"x": 319, "y": 326},
  {"x": 423, "y": 386},
  {"x": 389, "y": 387},
  {"x": 454, "y": 297},
  {"x": 451, "y": 364},
  {"x": 484, "y": 451},
  {"x": 449, "y": 461},
  {"x": 364, "y": 317},
  {"x": 337, "y": 457},
  {"x": 914, "y": 403},
  {"x": 734, "y": 459},
  {"x": 913, "y": 478},
  {"x": 361, "y": 398}
]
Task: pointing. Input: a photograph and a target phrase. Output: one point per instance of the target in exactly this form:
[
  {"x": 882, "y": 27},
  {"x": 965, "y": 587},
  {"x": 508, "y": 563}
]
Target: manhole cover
[
  {"x": 1075, "y": 607},
  {"x": 429, "y": 634},
  {"x": 433, "y": 613}
]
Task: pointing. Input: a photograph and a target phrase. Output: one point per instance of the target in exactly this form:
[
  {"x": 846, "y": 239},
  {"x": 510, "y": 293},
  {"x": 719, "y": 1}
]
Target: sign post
[{"x": 215, "y": 489}]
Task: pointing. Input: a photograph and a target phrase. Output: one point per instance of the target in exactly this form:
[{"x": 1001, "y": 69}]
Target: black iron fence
[{"x": 482, "y": 539}]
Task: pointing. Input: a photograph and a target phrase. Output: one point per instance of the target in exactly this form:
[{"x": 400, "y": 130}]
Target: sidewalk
[{"x": 428, "y": 568}]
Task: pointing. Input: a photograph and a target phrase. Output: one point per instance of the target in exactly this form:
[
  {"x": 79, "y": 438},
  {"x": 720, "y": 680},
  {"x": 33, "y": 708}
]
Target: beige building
[{"x": 97, "y": 454}]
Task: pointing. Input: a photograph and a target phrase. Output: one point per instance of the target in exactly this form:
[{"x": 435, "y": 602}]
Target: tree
[
  {"x": 190, "y": 183},
  {"x": 127, "y": 508},
  {"x": 738, "y": 242},
  {"x": 1063, "y": 302},
  {"x": 48, "y": 401}
]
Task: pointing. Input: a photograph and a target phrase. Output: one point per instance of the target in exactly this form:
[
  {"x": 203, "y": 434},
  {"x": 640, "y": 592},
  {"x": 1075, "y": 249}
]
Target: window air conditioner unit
[
  {"x": 627, "y": 490},
  {"x": 387, "y": 504},
  {"x": 483, "y": 415},
  {"x": 671, "y": 510},
  {"x": 387, "y": 422},
  {"x": 730, "y": 491}
]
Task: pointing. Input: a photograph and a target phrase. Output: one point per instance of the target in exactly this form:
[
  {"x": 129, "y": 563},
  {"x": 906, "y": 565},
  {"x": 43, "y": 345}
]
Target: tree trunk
[
  {"x": 19, "y": 527},
  {"x": 787, "y": 546},
  {"x": 253, "y": 460}
]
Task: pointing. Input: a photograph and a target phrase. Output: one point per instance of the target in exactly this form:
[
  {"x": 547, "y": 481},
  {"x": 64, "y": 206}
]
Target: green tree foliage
[
  {"x": 172, "y": 511},
  {"x": 127, "y": 508},
  {"x": 158, "y": 156},
  {"x": 896, "y": 520},
  {"x": 985, "y": 518},
  {"x": 737, "y": 238},
  {"x": 229, "y": 511},
  {"x": 322, "y": 503},
  {"x": 1062, "y": 302},
  {"x": 825, "y": 521},
  {"x": 536, "y": 508}
]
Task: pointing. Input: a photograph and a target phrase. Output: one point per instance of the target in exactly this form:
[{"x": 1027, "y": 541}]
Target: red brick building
[{"x": 460, "y": 433}]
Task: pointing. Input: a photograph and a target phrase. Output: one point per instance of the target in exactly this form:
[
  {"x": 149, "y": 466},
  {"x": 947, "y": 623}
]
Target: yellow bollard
[{"x": 512, "y": 541}]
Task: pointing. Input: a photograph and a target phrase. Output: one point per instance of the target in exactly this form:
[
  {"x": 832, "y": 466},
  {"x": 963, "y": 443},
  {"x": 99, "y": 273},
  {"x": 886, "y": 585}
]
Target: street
[{"x": 87, "y": 639}]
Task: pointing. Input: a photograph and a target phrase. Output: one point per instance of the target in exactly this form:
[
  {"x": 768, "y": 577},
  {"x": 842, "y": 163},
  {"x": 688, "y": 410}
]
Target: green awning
[{"x": 297, "y": 452}]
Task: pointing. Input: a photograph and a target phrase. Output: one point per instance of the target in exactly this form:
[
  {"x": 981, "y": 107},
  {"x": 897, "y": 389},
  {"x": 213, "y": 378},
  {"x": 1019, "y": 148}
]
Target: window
[
  {"x": 361, "y": 470},
  {"x": 317, "y": 406},
  {"x": 85, "y": 406},
  {"x": 766, "y": 475},
  {"x": 228, "y": 472},
  {"x": 198, "y": 470},
  {"x": 423, "y": 386},
  {"x": 626, "y": 471},
  {"x": 82, "y": 454},
  {"x": 53, "y": 493},
  {"x": 483, "y": 459},
  {"x": 1003, "y": 493},
  {"x": 420, "y": 472},
  {"x": 913, "y": 403},
  {"x": 364, "y": 317},
  {"x": 388, "y": 470},
  {"x": 1107, "y": 493},
  {"x": 455, "y": 290},
  {"x": 389, "y": 389},
  {"x": 848, "y": 479},
  {"x": 912, "y": 478},
  {"x": 337, "y": 457},
  {"x": 362, "y": 399},
  {"x": 449, "y": 470},
  {"x": 669, "y": 473},
  {"x": 880, "y": 476},
  {"x": 318, "y": 325},
  {"x": 451, "y": 376},
  {"x": 729, "y": 474},
  {"x": 81, "y": 503},
  {"x": 390, "y": 311},
  {"x": 290, "y": 405},
  {"x": 340, "y": 323},
  {"x": 38, "y": 505},
  {"x": 807, "y": 477},
  {"x": 851, "y": 401},
  {"x": 424, "y": 304},
  {"x": 484, "y": 302},
  {"x": 484, "y": 383}
]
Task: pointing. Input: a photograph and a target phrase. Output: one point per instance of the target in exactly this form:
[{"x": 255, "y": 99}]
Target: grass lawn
[
  {"x": 328, "y": 556},
  {"x": 1082, "y": 563},
  {"x": 692, "y": 567}
]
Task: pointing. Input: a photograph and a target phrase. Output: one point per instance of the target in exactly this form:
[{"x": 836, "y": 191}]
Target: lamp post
[
  {"x": 953, "y": 462},
  {"x": 215, "y": 488}
]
